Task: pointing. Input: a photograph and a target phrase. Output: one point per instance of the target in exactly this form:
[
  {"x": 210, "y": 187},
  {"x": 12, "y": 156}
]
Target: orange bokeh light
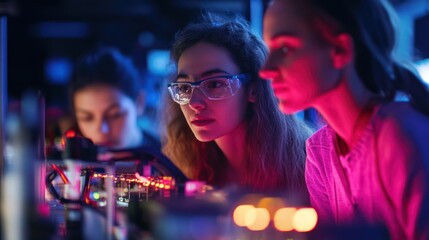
[
  {"x": 283, "y": 219},
  {"x": 257, "y": 219},
  {"x": 271, "y": 204},
  {"x": 305, "y": 219},
  {"x": 239, "y": 214}
]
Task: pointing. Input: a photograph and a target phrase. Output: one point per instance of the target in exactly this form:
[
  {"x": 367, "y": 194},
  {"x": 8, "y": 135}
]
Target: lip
[{"x": 200, "y": 121}]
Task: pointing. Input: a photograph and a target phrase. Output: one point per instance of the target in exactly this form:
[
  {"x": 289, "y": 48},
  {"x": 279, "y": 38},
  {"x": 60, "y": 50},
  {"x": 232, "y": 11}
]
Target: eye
[
  {"x": 284, "y": 49},
  {"x": 215, "y": 83},
  {"x": 281, "y": 49},
  {"x": 116, "y": 114},
  {"x": 183, "y": 88},
  {"x": 84, "y": 118}
]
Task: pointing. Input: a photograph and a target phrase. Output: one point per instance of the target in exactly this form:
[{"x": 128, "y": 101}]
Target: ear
[
  {"x": 342, "y": 52},
  {"x": 251, "y": 93},
  {"x": 141, "y": 102}
]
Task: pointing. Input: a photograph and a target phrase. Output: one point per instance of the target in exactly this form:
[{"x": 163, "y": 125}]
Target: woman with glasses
[
  {"x": 221, "y": 120},
  {"x": 371, "y": 162}
]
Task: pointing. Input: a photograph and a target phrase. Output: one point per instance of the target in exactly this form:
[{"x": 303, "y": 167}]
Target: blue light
[
  {"x": 58, "y": 70},
  {"x": 158, "y": 61},
  {"x": 423, "y": 69}
]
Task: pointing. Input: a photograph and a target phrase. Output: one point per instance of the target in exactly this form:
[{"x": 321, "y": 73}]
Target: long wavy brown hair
[{"x": 275, "y": 143}]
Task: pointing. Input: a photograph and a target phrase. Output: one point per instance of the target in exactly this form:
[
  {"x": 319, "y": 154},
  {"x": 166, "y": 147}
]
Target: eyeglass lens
[{"x": 213, "y": 89}]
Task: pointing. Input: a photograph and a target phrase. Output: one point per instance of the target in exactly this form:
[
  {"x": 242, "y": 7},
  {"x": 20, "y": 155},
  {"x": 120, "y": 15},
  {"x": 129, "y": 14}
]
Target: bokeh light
[
  {"x": 305, "y": 219},
  {"x": 271, "y": 204},
  {"x": 239, "y": 214},
  {"x": 96, "y": 195},
  {"x": 283, "y": 219},
  {"x": 257, "y": 219}
]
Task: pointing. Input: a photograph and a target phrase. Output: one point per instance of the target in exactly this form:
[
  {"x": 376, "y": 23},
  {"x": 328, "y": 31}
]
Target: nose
[
  {"x": 268, "y": 74},
  {"x": 104, "y": 126},
  {"x": 268, "y": 71},
  {"x": 197, "y": 101}
]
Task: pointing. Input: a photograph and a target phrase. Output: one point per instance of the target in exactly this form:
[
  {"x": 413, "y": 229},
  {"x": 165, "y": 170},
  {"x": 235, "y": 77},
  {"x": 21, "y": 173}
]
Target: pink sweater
[{"x": 384, "y": 179}]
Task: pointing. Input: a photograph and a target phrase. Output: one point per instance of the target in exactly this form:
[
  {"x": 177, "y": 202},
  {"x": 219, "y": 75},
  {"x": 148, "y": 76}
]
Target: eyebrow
[
  {"x": 112, "y": 106},
  {"x": 205, "y": 73},
  {"x": 285, "y": 33},
  {"x": 289, "y": 36}
]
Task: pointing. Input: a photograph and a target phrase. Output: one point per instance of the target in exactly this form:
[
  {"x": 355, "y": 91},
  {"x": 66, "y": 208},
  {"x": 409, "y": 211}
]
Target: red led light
[{"x": 70, "y": 133}]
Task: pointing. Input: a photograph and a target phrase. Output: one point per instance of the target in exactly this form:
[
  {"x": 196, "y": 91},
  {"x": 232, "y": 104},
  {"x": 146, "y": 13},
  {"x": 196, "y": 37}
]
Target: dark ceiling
[
  {"x": 45, "y": 29},
  {"x": 39, "y": 30}
]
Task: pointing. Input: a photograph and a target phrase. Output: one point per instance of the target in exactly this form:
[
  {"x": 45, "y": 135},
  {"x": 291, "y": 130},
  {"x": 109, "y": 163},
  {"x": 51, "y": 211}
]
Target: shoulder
[
  {"x": 320, "y": 146},
  {"x": 322, "y": 137},
  {"x": 401, "y": 123},
  {"x": 402, "y": 158},
  {"x": 402, "y": 136}
]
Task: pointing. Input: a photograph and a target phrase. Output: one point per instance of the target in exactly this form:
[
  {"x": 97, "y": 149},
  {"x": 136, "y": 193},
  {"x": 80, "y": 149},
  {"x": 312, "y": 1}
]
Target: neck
[
  {"x": 348, "y": 109},
  {"x": 233, "y": 146}
]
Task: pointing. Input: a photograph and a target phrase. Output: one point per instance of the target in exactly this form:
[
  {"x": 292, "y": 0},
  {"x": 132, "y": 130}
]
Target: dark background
[{"x": 46, "y": 37}]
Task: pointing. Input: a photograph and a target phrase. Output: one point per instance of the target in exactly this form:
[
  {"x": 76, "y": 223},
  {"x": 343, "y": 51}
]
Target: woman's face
[
  {"x": 107, "y": 116},
  {"x": 299, "y": 65},
  {"x": 210, "y": 119}
]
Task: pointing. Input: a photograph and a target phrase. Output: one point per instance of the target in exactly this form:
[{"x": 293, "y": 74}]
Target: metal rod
[
  {"x": 3, "y": 90},
  {"x": 111, "y": 200}
]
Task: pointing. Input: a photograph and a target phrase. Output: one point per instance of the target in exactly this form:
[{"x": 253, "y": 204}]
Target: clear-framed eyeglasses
[{"x": 214, "y": 88}]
